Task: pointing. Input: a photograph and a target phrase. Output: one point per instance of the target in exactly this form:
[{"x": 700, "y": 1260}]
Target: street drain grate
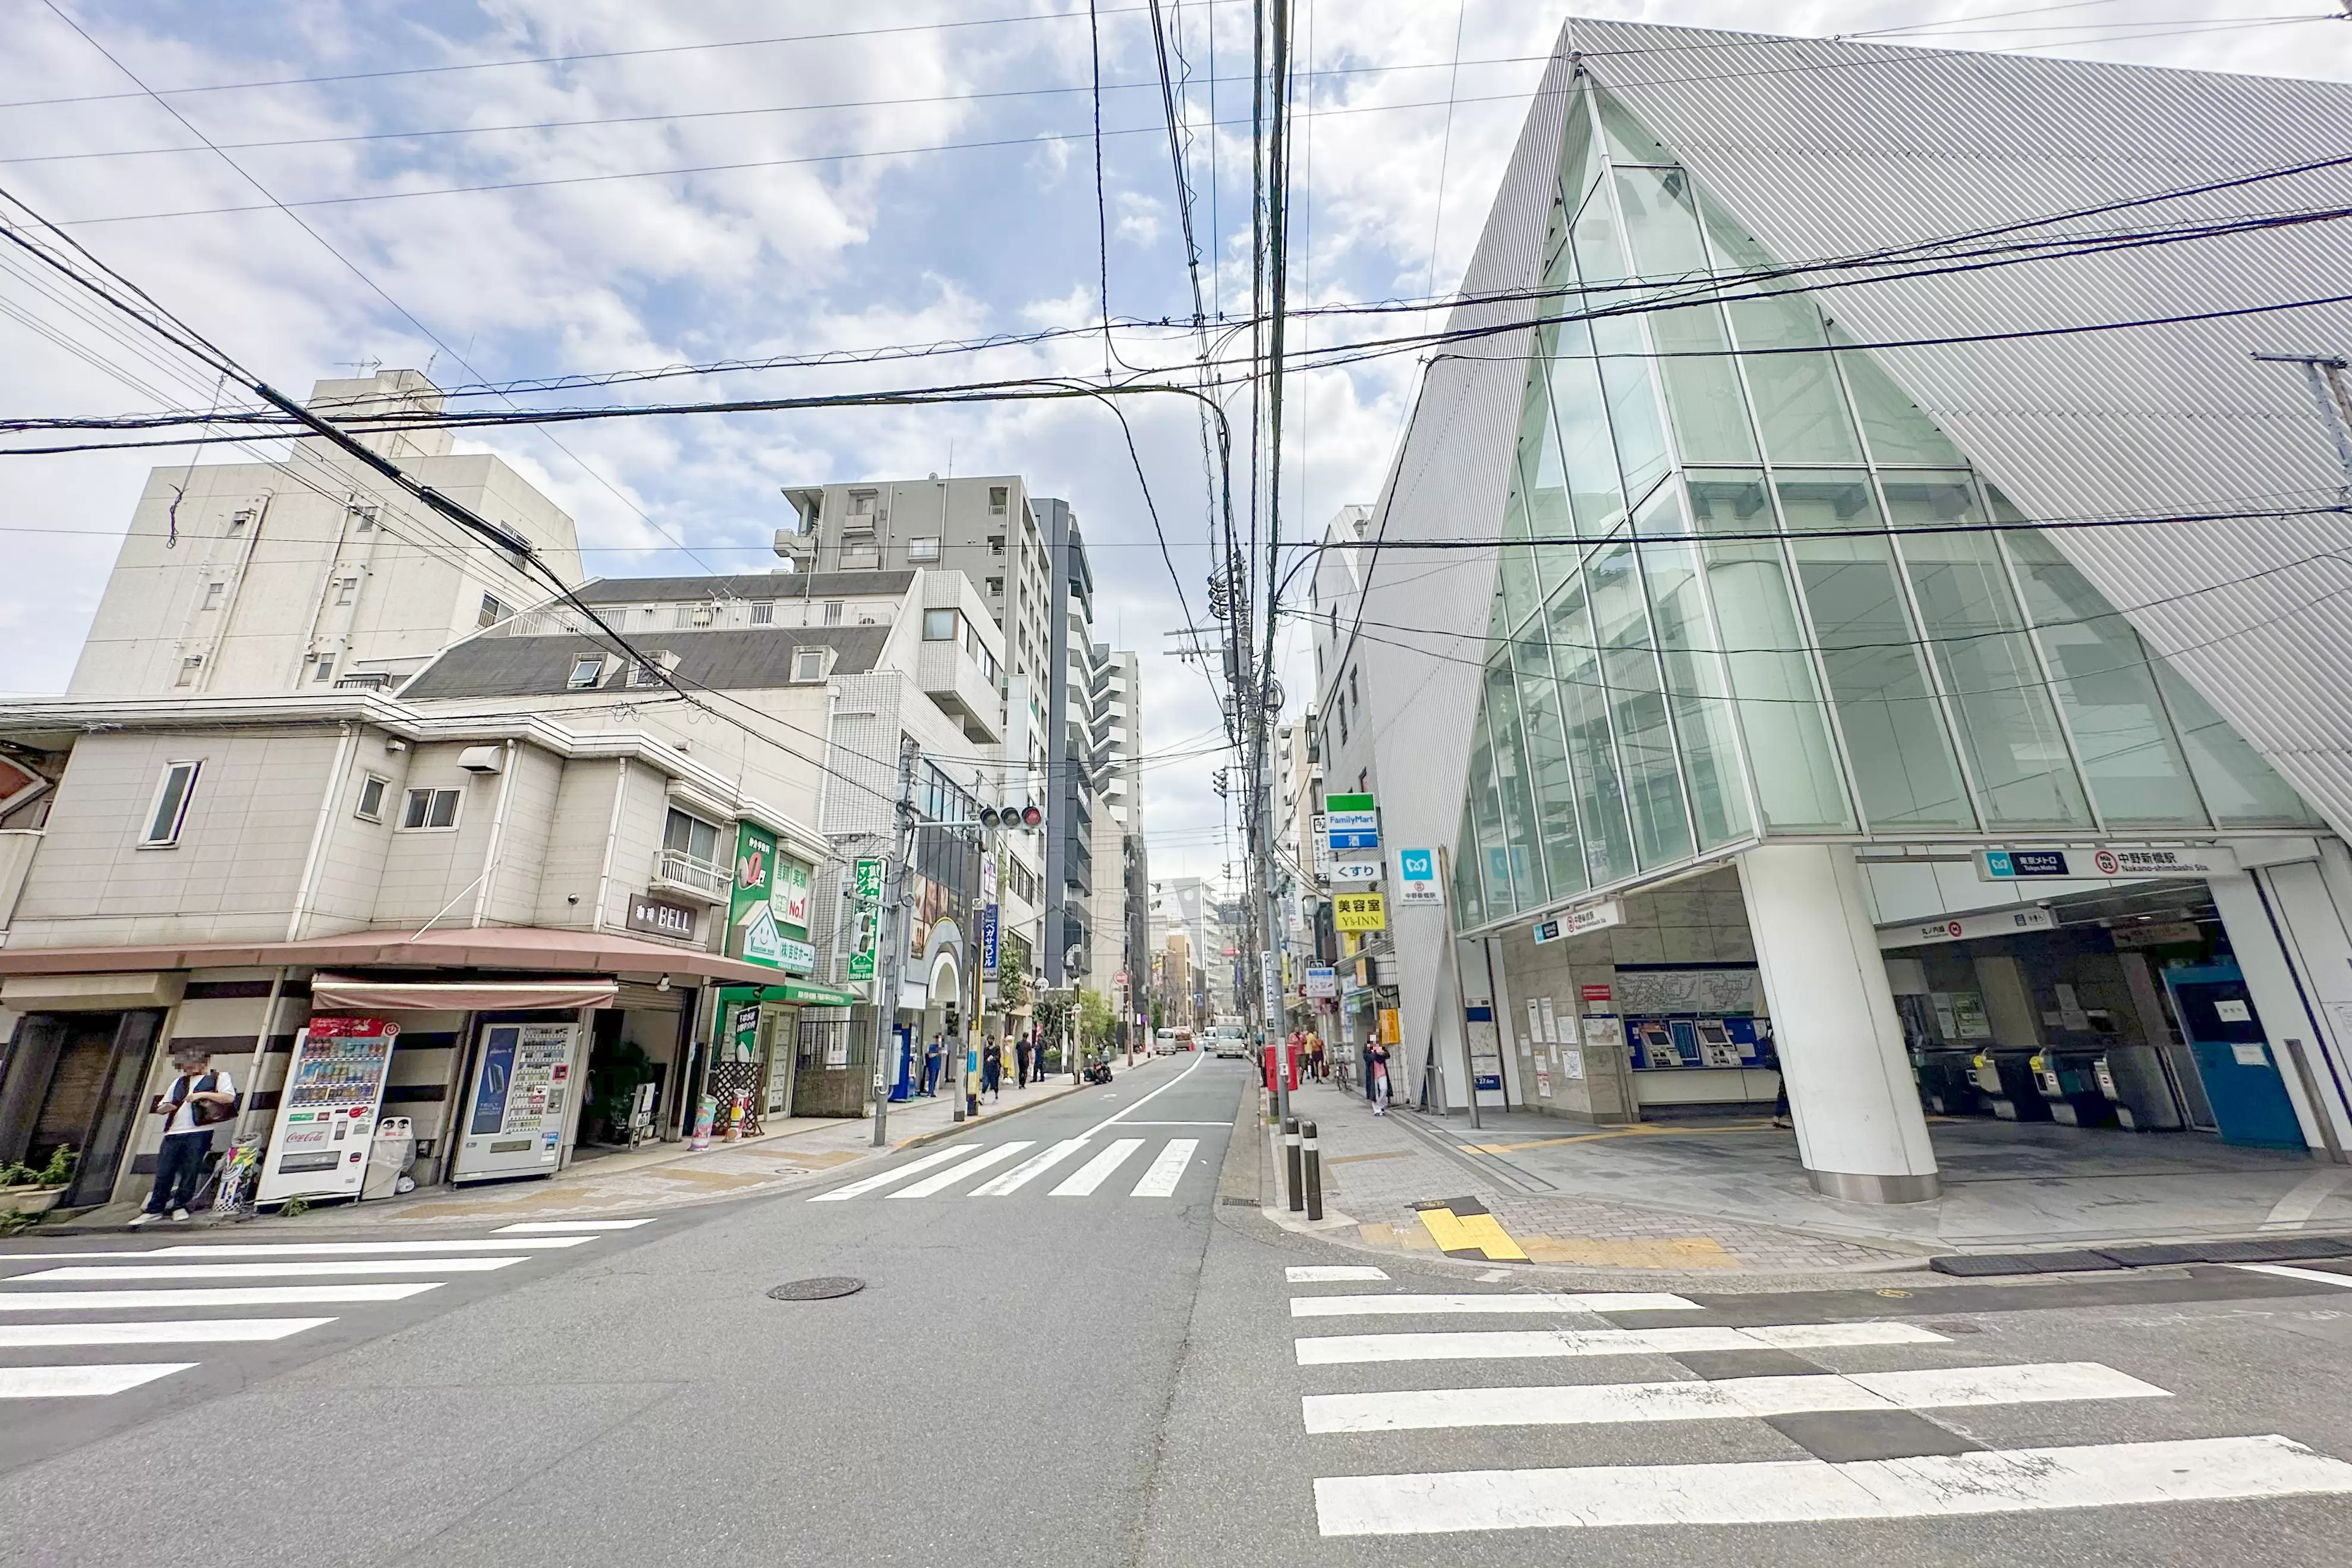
[
  {"x": 822, "y": 1289},
  {"x": 1239, "y": 1202}
]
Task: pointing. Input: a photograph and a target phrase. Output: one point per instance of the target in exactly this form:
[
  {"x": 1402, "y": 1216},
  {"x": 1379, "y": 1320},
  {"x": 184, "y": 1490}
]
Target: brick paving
[{"x": 1376, "y": 1169}]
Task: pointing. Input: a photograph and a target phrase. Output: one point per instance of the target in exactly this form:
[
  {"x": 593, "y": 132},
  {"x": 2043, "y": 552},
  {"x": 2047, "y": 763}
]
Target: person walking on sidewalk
[
  {"x": 1376, "y": 1076},
  {"x": 197, "y": 1098},
  {"x": 1021, "y": 1061},
  {"x": 1768, "y": 1055},
  {"x": 931, "y": 1067},
  {"x": 991, "y": 1069}
]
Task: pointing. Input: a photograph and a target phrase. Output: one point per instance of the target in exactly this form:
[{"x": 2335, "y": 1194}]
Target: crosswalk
[
  {"x": 943, "y": 1171},
  {"x": 69, "y": 1319},
  {"x": 1875, "y": 1449}
]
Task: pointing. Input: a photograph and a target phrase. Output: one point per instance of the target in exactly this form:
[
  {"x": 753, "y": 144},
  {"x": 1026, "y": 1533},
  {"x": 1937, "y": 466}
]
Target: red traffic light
[{"x": 1031, "y": 816}]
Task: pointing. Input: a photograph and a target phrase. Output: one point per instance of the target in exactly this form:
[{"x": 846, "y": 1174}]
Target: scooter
[{"x": 1098, "y": 1070}]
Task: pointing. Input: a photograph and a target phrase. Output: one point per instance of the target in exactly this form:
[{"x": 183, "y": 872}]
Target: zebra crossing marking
[
  {"x": 1695, "y": 1399},
  {"x": 1804, "y": 1491},
  {"x": 930, "y": 1187},
  {"x": 1523, "y": 1345},
  {"x": 210, "y": 1296},
  {"x": 2315, "y": 1276},
  {"x": 193, "y": 1332},
  {"x": 1007, "y": 1182},
  {"x": 1487, "y": 1301},
  {"x": 82, "y": 1382},
  {"x": 1096, "y": 1171},
  {"x": 567, "y": 1227},
  {"x": 1160, "y": 1178},
  {"x": 858, "y": 1189},
  {"x": 318, "y": 1268}
]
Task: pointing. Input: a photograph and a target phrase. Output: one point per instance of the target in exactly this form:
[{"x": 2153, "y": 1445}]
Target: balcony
[{"x": 682, "y": 872}]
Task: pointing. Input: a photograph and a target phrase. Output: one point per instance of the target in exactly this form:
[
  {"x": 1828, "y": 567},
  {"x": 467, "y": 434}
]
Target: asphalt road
[{"x": 1065, "y": 1357}]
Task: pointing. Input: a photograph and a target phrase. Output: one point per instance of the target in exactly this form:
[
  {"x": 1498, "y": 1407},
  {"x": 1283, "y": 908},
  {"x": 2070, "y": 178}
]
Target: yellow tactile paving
[{"x": 1480, "y": 1232}]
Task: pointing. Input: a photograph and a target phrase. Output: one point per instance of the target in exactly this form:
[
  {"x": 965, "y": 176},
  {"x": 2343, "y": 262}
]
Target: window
[
  {"x": 370, "y": 804},
  {"x": 1343, "y": 723},
  {"x": 170, "y": 808},
  {"x": 808, "y": 665},
  {"x": 926, "y": 548},
  {"x": 237, "y": 521},
  {"x": 431, "y": 809},
  {"x": 492, "y": 612},
  {"x": 347, "y": 590},
  {"x": 686, "y": 834},
  {"x": 188, "y": 668},
  {"x": 763, "y": 614},
  {"x": 213, "y": 592},
  {"x": 832, "y": 612},
  {"x": 862, "y": 510},
  {"x": 939, "y": 626},
  {"x": 860, "y": 558},
  {"x": 587, "y": 669},
  {"x": 324, "y": 671},
  {"x": 644, "y": 674},
  {"x": 998, "y": 495},
  {"x": 364, "y": 518},
  {"x": 996, "y": 587},
  {"x": 1355, "y": 693},
  {"x": 996, "y": 544}
]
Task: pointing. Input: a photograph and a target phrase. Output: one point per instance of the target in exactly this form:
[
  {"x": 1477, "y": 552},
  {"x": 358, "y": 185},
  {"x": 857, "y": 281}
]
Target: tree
[
  {"x": 1011, "y": 971},
  {"x": 1097, "y": 1022}
]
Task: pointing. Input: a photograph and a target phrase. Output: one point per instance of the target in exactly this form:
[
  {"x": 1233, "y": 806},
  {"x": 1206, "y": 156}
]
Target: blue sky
[{"x": 915, "y": 182}]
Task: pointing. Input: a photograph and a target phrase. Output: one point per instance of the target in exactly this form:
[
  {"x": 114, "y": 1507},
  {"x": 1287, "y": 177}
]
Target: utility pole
[{"x": 888, "y": 935}]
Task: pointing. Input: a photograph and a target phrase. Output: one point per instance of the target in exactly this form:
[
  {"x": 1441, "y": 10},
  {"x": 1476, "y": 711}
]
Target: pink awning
[
  {"x": 533, "y": 952},
  {"x": 460, "y": 995}
]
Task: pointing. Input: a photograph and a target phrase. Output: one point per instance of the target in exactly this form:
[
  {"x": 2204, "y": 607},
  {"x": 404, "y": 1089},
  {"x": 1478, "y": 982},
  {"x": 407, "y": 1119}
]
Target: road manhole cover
[{"x": 822, "y": 1289}]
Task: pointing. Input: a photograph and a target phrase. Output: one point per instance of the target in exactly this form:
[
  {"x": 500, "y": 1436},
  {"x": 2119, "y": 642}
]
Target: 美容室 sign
[{"x": 1359, "y": 912}]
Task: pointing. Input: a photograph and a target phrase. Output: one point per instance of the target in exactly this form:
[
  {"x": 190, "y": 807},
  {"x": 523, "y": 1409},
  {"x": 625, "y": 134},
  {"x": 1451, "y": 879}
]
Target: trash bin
[{"x": 394, "y": 1151}]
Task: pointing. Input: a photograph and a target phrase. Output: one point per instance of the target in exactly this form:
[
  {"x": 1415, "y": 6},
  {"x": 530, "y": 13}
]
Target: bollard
[
  {"x": 1290, "y": 1162},
  {"x": 1311, "y": 1157}
]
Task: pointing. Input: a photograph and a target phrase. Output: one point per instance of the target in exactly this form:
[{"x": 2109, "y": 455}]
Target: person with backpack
[{"x": 197, "y": 1098}]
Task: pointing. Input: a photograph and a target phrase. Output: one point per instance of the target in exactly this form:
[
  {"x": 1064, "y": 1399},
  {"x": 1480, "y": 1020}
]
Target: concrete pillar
[
  {"x": 1860, "y": 1129},
  {"x": 2009, "y": 1003}
]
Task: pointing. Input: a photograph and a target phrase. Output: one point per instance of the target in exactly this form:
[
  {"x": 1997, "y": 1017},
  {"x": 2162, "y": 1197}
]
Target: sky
[{"x": 418, "y": 184}]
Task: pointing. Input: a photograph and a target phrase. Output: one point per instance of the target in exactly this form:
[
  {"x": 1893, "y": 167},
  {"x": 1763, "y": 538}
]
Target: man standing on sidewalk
[{"x": 196, "y": 1099}]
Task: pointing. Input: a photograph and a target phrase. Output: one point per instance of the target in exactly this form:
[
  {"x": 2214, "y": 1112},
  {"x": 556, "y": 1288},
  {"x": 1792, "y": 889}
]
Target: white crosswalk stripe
[
  {"x": 1924, "y": 1479},
  {"x": 158, "y": 1295},
  {"x": 1096, "y": 1171},
  {"x": 943, "y": 1172},
  {"x": 1160, "y": 1178}
]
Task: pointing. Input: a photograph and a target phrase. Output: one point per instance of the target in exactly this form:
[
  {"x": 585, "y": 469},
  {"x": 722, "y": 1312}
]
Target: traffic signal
[{"x": 1010, "y": 816}]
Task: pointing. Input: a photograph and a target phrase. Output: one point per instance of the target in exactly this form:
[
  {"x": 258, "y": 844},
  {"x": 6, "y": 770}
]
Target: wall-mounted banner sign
[
  {"x": 1355, "y": 870},
  {"x": 866, "y": 875},
  {"x": 1417, "y": 876},
  {"x": 1351, "y": 822},
  {"x": 1961, "y": 928},
  {"x": 1577, "y": 923},
  {"x": 660, "y": 917},
  {"x": 1322, "y": 983},
  {"x": 1320, "y": 832},
  {"x": 2099, "y": 862},
  {"x": 1359, "y": 912}
]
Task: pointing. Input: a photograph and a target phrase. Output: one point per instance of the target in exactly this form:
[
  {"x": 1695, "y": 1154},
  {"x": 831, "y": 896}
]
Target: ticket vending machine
[
  {"x": 525, "y": 1079},
  {"x": 2235, "y": 1060}
]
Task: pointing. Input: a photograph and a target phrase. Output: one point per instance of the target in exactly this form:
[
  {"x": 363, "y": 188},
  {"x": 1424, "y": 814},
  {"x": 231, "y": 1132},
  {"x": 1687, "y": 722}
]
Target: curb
[{"x": 954, "y": 1128}]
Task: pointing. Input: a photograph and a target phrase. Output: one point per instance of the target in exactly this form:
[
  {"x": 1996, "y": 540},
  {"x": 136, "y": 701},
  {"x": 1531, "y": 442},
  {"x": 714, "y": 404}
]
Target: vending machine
[
  {"x": 524, "y": 1079},
  {"x": 326, "y": 1113}
]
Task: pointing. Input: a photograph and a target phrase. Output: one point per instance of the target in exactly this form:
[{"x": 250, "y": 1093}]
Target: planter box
[{"x": 29, "y": 1200}]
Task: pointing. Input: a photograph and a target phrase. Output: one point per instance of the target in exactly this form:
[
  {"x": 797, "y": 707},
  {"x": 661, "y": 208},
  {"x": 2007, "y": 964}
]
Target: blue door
[{"x": 2234, "y": 1058}]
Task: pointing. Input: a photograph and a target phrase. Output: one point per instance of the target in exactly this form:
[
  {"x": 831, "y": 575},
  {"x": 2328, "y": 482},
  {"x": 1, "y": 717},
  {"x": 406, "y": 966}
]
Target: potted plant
[{"x": 35, "y": 1189}]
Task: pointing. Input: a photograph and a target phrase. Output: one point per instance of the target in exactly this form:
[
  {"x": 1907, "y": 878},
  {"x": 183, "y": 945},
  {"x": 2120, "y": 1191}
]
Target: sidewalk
[
  {"x": 1379, "y": 1170},
  {"x": 602, "y": 1184}
]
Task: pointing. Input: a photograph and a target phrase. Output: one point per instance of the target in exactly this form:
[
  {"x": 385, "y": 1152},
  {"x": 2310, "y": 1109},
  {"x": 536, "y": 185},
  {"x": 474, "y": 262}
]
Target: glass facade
[{"x": 1749, "y": 587}]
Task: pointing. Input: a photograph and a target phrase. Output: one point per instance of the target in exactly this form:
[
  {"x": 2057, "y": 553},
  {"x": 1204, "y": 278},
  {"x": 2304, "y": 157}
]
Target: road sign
[
  {"x": 866, "y": 879},
  {"x": 1359, "y": 912},
  {"x": 1417, "y": 876},
  {"x": 1355, "y": 870}
]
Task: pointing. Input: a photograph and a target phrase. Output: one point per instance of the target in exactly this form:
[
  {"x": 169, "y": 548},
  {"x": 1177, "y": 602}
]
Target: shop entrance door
[{"x": 2234, "y": 1060}]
